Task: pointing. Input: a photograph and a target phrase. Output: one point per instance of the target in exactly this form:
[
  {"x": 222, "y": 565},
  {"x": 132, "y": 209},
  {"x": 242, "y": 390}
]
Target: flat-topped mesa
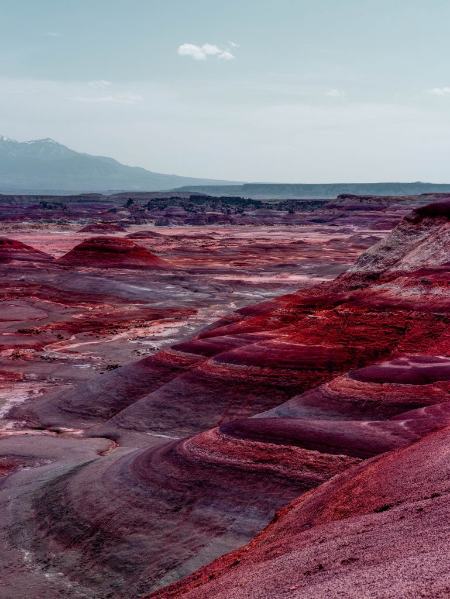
[
  {"x": 103, "y": 228},
  {"x": 12, "y": 250},
  {"x": 111, "y": 252}
]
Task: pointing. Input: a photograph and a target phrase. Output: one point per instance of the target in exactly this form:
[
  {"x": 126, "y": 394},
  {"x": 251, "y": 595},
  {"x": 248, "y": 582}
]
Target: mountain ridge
[{"x": 46, "y": 165}]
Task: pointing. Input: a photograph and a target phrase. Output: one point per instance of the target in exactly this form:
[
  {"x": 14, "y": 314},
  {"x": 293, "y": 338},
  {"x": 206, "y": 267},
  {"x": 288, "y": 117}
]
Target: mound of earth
[
  {"x": 12, "y": 250},
  {"x": 111, "y": 252}
]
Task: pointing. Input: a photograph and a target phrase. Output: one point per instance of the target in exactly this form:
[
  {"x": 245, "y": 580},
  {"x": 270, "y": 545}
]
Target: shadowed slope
[{"x": 378, "y": 530}]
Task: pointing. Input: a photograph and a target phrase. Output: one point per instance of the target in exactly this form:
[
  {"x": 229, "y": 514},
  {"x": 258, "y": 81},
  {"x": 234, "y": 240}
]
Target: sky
[{"x": 249, "y": 90}]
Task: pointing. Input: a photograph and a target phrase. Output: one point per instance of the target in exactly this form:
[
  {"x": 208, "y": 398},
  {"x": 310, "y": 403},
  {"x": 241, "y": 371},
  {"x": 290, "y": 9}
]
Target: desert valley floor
[{"x": 244, "y": 403}]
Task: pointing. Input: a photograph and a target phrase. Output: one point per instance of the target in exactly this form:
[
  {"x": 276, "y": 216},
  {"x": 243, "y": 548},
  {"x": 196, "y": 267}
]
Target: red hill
[
  {"x": 111, "y": 252},
  {"x": 11, "y": 250}
]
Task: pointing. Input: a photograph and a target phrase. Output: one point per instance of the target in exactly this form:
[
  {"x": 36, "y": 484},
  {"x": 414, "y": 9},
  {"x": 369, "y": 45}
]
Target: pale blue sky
[{"x": 301, "y": 91}]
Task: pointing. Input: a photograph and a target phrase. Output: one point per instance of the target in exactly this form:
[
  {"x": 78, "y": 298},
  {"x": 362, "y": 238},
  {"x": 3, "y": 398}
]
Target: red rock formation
[
  {"x": 111, "y": 252},
  {"x": 12, "y": 250}
]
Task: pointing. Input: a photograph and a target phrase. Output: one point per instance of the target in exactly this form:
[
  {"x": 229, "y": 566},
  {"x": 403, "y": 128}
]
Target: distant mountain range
[{"x": 44, "y": 165}]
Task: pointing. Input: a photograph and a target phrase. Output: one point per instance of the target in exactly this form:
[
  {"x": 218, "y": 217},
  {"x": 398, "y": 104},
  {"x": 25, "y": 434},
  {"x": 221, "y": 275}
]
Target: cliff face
[{"x": 350, "y": 378}]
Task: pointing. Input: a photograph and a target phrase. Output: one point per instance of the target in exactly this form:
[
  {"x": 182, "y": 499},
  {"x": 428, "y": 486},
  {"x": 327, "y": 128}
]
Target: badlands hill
[
  {"x": 12, "y": 250},
  {"x": 111, "y": 252}
]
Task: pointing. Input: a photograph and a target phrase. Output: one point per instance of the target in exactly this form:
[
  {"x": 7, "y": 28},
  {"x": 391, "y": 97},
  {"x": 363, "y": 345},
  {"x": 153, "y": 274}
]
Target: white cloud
[
  {"x": 125, "y": 98},
  {"x": 335, "y": 93},
  {"x": 53, "y": 34},
  {"x": 99, "y": 84},
  {"x": 440, "y": 91},
  {"x": 226, "y": 55},
  {"x": 202, "y": 52},
  {"x": 234, "y": 45},
  {"x": 191, "y": 50},
  {"x": 211, "y": 49}
]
